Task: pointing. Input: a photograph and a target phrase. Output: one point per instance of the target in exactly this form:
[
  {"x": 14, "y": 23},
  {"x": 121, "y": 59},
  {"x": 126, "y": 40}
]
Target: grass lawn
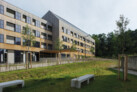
[{"x": 57, "y": 78}]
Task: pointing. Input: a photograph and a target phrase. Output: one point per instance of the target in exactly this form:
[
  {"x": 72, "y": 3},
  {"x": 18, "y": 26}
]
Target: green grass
[{"x": 57, "y": 78}]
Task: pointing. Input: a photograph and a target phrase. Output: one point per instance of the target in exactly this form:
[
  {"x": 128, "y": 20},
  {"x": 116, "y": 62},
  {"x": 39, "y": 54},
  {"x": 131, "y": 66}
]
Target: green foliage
[
  {"x": 92, "y": 50},
  {"x": 122, "y": 28},
  {"x": 58, "y": 44},
  {"x": 28, "y": 36},
  {"x": 73, "y": 47},
  {"x": 118, "y": 42}
]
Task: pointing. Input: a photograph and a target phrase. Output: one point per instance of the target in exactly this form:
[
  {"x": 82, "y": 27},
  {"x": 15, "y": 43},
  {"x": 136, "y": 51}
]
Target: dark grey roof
[{"x": 81, "y": 31}]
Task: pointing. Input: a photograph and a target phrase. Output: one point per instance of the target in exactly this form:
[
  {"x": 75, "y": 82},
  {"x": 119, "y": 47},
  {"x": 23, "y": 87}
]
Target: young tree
[
  {"x": 73, "y": 47},
  {"x": 92, "y": 50},
  {"x": 58, "y": 46},
  {"x": 122, "y": 28},
  {"x": 29, "y": 40}
]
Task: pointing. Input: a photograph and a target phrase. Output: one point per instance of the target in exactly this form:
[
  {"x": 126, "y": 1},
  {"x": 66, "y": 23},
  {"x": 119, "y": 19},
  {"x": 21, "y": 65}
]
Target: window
[
  {"x": 1, "y": 23},
  {"x": 1, "y": 38},
  {"x": 64, "y": 38},
  {"x": 34, "y": 32},
  {"x": 66, "y": 31},
  {"x": 43, "y": 45},
  {"x": 71, "y": 41},
  {"x": 37, "y": 33},
  {"x": 37, "y": 44},
  {"x": 28, "y": 20},
  {"x": 18, "y": 15},
  {"x": 44, "y": 35},
  {"x": 10, "y": 26},
  {"x": 43, "y": 25},
  {"x": 34, "y": 22},
  {"x": 63, "y": 29},
  {"x": 69, "y": 32},
  {"x": 1, "y": 9},
  {"x": 24, "y": 18},
  {"x": 64, "y": 46},
  {"x": 18, "y": 28},
  {"x": 10, "y": 13},
  {"x": 3, "y": 56},
  {"x": 26, "y": 42},
  {"x": 37, "y": 23},
  {"x": 17, "y": 41},
  {"x": 49, "y": 37},
  {"x": 49, "y": 46},
  {"x": 10, "y": 39},
  {"x": 81, "y": 44},
  {"x": 18, "y": 56},
  {"x": 49, "y": 28}
]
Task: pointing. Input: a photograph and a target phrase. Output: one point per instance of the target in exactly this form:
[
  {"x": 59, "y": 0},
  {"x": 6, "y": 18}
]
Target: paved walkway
[{"x": 129, "y": 71}]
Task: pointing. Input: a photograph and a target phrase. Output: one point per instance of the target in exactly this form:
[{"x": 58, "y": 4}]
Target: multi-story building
[
  {"x": 69, "y": 34},
  {"x": 46, "y": 30}
]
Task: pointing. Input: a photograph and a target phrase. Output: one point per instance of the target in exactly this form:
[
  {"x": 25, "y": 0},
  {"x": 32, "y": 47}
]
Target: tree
[
  {"x": 122, "y": 28},
  {"x": 29, "y": 40},
  {"x": 92, "y": 50},
  {"x": 59, "y": 47},
  {"x": 73, "y": 47},
  {"x": 112, "y": 48}
]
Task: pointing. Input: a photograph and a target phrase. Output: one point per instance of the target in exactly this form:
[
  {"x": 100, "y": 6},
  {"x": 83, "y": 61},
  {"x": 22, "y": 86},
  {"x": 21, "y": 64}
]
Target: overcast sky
[{"x": 92, "y": 16}]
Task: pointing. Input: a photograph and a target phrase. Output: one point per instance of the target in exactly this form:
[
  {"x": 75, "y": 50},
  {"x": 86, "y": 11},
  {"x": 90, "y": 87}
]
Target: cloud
[{"x": 92, "y": 16}]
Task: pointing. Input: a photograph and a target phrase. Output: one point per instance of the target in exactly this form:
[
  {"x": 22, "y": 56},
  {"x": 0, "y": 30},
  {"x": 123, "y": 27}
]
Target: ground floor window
[
  {"x": 63, "y": 55},
  {"x": 18, "y": 56},
  {"x": 3, "y": 56}
]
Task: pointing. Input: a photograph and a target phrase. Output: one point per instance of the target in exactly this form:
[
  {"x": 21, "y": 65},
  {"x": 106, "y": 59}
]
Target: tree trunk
[
  {"x": 31, "y": 59},
  {"x": 26, "y": 60}
]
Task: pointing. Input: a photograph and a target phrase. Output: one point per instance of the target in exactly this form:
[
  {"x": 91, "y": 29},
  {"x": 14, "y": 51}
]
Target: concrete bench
[
  {"x": 11, "y": 83},
  {"x": 76, "y": 82}
]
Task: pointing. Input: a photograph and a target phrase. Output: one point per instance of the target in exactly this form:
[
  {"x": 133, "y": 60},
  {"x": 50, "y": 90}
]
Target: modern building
[{"x": 46, "y": 30}]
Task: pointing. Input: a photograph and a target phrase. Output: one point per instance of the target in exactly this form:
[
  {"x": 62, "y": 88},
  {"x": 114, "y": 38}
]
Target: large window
[
  {"x": 44, "y": 35},
  {"x": 43, "y": 45},
  {"x": 18, "y": 15},
  {"x": 17, "y": 41},
  {"x": 1, "y": 23},
  {"x": 1, "y": 38},
  {"x": 10, "y": 39},
  {"x": 64, "y": 38},
  {"x": 49, "y": 37},
  {"x": 37, "y": 33},
  {"x": 10, "y": 26},
  {"x": 49, "y": 46},
  {"x": 28, "y": 20},
  {"x": 18, "y": 28},
  {"x": 18, "y": 56},
  {"x": 37, "y": 23},
  {"x": 1, "y": 9},
  {"x": 49, "y": 28},
  {"x": 3, "y": 56}
]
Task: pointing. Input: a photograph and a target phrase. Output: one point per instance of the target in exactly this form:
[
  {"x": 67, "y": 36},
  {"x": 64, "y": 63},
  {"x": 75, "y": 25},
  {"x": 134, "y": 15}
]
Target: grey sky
[{"x": 92, "y": 16}]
